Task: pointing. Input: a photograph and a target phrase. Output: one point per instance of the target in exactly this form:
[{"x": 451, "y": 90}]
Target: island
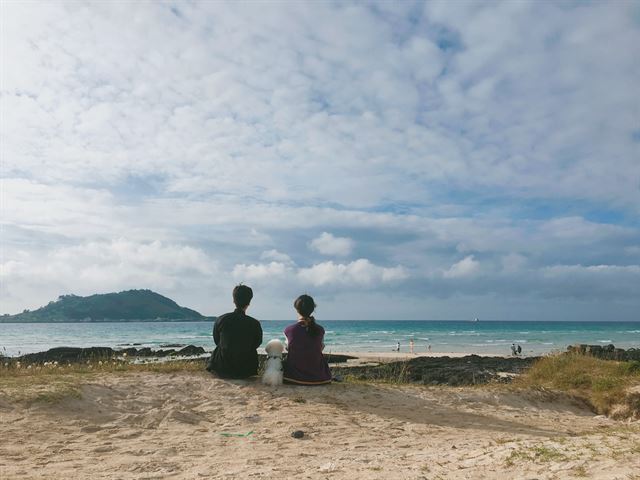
[{"x": 126, "y": 306}]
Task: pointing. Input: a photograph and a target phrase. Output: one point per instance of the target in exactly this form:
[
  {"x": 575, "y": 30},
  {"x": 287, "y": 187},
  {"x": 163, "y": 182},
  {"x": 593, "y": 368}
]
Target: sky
[{"x": 395, "y": 160}]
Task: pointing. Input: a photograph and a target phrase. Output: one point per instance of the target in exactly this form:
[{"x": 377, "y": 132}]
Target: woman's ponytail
[{"x": 305, "y": 306}]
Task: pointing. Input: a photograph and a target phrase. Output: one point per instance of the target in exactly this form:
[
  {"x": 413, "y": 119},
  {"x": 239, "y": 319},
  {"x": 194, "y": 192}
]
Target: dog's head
[{"x": 274, "y": 347}]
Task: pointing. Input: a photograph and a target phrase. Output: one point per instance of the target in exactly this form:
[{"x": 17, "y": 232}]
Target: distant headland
[{"x": 127, "y": 306}]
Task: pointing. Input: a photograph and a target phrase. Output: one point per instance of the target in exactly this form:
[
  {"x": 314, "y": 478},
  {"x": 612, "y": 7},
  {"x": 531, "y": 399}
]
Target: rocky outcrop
[
  {"x": 606, "y": 352},
  {"x": 335, "y": 358},
  {"x": 68, "y": 355},
  {"x": 74, "y": 355},
  {"x": 190, "y": 351},
  {"x": 469, "y": 370}
]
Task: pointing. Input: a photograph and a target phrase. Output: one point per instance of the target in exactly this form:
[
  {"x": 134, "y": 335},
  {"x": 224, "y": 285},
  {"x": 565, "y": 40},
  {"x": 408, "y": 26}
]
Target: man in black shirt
[{"x": 237, "y": 336}]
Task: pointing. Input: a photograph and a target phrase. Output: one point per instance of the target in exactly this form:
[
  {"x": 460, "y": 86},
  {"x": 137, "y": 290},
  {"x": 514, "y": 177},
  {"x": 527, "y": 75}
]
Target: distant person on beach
[
  {"x": 305, "y": 363},
  {"x": 397, "y": 349},
  {"x": 237, "y": 336},
  {"x": 411, "y": 344},
  {"x": 514, "y": 352},
  {"x": 519, "y": 349},
  {"x": 429, "y": 348}
]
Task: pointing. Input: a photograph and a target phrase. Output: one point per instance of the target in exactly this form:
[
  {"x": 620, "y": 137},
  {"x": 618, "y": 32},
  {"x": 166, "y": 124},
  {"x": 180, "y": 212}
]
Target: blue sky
[{"x": 406, "y": 160}]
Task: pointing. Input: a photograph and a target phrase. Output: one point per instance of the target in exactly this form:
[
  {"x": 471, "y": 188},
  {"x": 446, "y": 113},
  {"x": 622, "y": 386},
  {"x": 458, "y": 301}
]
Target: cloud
[
  {"x": 98, "y": 267},
  {"x": 360, "y": 272},
  {"x": 233, "y": 133},
  {"x": 327, "y": 244},
  {"x": 277, "y": 256},
  {"x": 260, "y": 271},
  {"x": 513, "y": 263},
  {"x": 467, "y": 267}
]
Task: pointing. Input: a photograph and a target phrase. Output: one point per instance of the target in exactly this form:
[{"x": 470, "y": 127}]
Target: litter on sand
[{"x": 225, "y": 434}]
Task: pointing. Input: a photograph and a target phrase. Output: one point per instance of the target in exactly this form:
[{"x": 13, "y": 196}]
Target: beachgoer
[
  {"x": 411, "y": 345},
  {"x": 305, "y": 363},
  {"x": 519, "y": 349},
  {"x": 429, "y": 348},
  {"x": 513, "y": 349},
  {"x": 237, "y": 336},
  {"x": 397, "y": 349}
]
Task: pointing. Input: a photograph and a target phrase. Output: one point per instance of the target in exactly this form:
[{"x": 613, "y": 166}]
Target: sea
[{"x": 480, "y": 337}]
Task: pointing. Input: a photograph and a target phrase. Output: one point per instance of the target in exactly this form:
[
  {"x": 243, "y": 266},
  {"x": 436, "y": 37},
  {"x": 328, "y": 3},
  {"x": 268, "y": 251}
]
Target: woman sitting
[{"x": 305, "y": 363}]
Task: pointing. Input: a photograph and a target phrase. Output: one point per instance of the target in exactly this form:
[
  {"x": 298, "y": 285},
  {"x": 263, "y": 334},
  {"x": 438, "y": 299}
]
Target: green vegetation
[
  {"x": 129, "y": 305},
  {"x": 603, "y": 384},
  {"x": 539, "y": 454}
]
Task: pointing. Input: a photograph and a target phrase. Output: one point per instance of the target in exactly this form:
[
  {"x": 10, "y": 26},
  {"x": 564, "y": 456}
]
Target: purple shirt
[{"x": 305, "y": 363}]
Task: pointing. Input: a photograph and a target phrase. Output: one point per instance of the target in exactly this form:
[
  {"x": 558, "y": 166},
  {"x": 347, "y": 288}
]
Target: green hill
[{"x": 131, "y": 305}]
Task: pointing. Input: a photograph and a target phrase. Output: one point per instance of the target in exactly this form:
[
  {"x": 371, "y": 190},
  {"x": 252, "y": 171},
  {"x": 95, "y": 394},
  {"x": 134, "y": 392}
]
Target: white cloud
[
  {"x": 240, "y": 131},
  {"x": 98, "y": 267},
  {"x": 327, "y": 244},
  {"x": 260, "y": 271},
  {"x": 467, "y": 267},
  {"x": 590, "y": 270},
  {"x": 513, "y": 263},
  {"x": 359, "y": 272},
  {"x": 277, "y": 256}
]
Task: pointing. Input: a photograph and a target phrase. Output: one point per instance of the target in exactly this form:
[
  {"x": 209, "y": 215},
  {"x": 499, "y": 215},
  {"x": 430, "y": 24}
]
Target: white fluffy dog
[{"x": 273, "y": 369}]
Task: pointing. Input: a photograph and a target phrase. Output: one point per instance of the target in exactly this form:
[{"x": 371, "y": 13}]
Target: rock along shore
[
  {"x": 75, "y": 354},
  {"x": 454, "y": 371}
]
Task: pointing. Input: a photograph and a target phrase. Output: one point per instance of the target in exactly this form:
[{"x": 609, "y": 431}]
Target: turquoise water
[{"x": 341, "y": 335}]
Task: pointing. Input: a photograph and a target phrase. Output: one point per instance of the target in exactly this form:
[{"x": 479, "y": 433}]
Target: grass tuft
[{"x": 603, "y": 384}]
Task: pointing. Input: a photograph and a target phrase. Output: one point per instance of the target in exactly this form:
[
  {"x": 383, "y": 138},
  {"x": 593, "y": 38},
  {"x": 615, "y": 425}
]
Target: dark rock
[
  {"x": 131, "y": 351},
  {"x": 334, "y": 358},
  {"x": 468, "y": 370},
  {"x": 190, "y": 350},
  {"x": 73, "y": 355},
  {"x": 298, "y": 434},
  {"x": 164, "y": 353},
  {"x": 68, "y": 354},
  {"x": 172, "y": 345},
  {"x": 608, "y": 352}
]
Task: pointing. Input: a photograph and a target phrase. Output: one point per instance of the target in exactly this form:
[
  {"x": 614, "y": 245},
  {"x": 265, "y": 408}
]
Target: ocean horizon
[{"x": 444, "y": 336}]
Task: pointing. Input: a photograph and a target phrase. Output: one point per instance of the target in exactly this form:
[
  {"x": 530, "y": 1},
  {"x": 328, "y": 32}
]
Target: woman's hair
[{"x": 305, "y": 306}]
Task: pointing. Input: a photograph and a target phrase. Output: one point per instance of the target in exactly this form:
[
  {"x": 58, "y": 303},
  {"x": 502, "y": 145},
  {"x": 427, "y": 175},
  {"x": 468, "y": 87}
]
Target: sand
[
  {"x": 381, "y": 357},
  {"x": 161, "y": 425}
]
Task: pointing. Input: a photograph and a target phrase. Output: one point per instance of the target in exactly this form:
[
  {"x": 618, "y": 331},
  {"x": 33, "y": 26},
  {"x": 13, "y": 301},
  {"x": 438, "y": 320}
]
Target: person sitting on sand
[
  {"x": 237, "y": 336},
  {"x": 305, "y": 363}
]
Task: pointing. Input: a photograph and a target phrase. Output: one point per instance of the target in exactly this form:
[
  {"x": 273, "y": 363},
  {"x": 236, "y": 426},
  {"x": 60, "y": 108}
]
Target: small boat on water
[{"x": 476, "y": 319}]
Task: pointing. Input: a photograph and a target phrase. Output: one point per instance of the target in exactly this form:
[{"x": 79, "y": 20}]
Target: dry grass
[
  {"x": 385, "y": 372},
  {"x": 602, "y": 384},
  {"x": 52, "y": 382}
]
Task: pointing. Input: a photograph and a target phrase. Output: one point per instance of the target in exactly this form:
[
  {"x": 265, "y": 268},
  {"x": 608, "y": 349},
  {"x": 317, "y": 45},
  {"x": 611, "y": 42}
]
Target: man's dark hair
[{"x": 242, "y": 295}]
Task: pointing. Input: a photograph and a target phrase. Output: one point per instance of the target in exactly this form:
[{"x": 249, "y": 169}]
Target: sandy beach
[
  {"x": 373, "y": 357},
  {"x": 189, "y": 425}
]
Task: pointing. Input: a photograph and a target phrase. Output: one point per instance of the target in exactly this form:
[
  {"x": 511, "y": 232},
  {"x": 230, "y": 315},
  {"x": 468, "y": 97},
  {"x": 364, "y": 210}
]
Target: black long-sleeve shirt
[{"x": 237, "y": 336}]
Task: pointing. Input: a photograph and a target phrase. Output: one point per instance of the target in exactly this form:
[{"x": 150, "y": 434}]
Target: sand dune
[{"x": 150, "y": 425}]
